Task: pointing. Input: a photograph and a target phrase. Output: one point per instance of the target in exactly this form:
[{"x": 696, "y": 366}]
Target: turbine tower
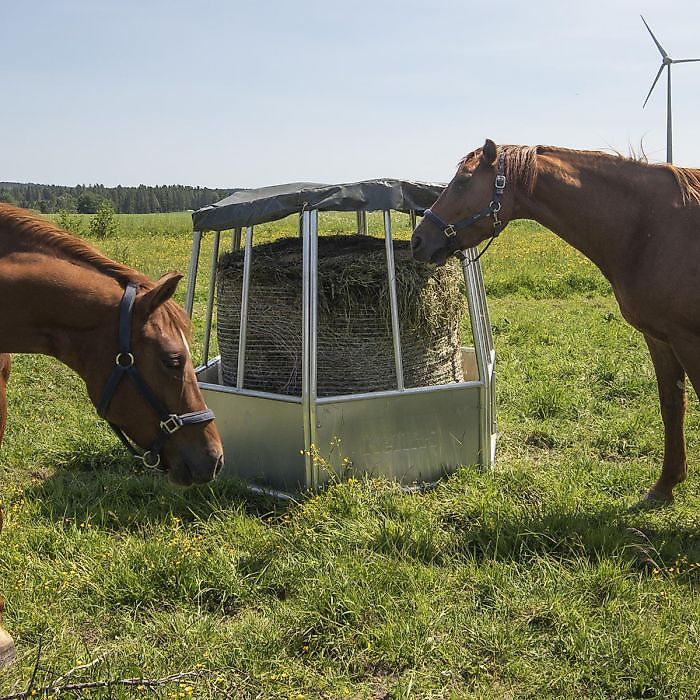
[{"x": 666, "y": 62}]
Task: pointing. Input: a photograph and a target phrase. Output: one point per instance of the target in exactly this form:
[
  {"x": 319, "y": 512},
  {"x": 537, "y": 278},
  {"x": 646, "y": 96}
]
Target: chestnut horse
[
  {"x": 117, "y": 329},
  {"x": 639, "y": 223}
]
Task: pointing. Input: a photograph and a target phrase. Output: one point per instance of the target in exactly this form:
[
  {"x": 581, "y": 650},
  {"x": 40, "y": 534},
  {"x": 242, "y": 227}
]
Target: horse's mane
[
  {"x": 521, "y": 166},
  {"x": 29, "y": 228},
  {"x": 688, "y": 180}
]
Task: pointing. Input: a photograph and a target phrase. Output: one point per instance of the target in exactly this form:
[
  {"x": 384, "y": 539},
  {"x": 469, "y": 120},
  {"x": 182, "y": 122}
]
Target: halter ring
[
  {"x": 144, "y": 458},
  {"x": 124, "y": 356}
]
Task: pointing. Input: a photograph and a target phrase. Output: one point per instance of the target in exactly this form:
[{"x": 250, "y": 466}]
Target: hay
[{"x": 355, "y": 349}]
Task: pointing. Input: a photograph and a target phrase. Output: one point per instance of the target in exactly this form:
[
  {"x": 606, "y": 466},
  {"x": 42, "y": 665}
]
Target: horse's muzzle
[
  {"x": 424, "y": 250},
  {"x": 191, "y": 468}
]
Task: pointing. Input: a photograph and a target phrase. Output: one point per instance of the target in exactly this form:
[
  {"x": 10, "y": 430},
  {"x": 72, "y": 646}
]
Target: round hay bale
[{"x": 354, "y": 346}]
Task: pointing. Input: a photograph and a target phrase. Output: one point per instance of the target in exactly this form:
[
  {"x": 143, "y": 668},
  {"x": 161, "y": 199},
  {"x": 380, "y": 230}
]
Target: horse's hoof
[
  {"x": 7, "y": 649},
  {"x": 653, "y": 500},
  {"x": 658, "y": 498}
]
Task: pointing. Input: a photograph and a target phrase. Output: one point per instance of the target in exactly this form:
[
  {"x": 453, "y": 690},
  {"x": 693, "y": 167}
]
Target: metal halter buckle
[
  {"x": 500, "y": 183},
  {"x": 171, "y": 424},
  {"x": 450, "y": 230}
]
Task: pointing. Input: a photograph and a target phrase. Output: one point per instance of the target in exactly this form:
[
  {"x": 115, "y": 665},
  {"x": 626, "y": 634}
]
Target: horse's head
[
  {"x": 142, "y": 380},
  {"x": 470, "y": 209}
]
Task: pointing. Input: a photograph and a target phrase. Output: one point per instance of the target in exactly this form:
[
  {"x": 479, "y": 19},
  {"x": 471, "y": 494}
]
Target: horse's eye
[
  {"x": 173, "y": 362},
  {"x": 462, "y": 179}
]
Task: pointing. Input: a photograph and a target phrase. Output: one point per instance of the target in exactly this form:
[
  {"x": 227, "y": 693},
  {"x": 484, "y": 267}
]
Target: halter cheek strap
[
  {"x": 125, "y": 365},
  {"x": 492, "y": 211}
]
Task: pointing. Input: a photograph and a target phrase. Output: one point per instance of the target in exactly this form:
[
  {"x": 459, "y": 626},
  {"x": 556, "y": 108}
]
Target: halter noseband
[
  {"x": 492, "y": 210},
  {"x": 169, "y": 423}
]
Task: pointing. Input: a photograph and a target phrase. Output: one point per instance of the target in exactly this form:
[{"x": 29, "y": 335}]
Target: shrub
[
  {"x": 70, "y": 222},
  {"x": 103, "y": 224}
]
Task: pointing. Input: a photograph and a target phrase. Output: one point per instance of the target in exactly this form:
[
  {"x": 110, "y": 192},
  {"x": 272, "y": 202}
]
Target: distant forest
[{"x": 86, "y": 199}]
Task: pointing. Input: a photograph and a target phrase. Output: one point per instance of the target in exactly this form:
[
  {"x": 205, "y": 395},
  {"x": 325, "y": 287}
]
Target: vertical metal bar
[
  {"x": 236, "y": 239},
  {"x": 475, "y": 312},
  {"x": 475, "y": 269},
  {"x": 306, "y": 343},
  {"x": 490, "y": 357},
  {"x": 313, "y": 341},
  {"x": 192, "y": 271},
  {"x": 240, "y": 372},
  {"x": 412, "y": 215},
  {"x": 210, "y": 294},
  {"x": 391, "y": 274},
  {"x": 488, "y": 332},
  {"x": 362, "y": 222},
  {"x": 484, "y": 358}
]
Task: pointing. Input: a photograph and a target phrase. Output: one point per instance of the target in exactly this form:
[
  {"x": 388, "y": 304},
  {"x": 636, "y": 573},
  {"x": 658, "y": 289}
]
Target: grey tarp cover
[{"x": 251, "y": 207}]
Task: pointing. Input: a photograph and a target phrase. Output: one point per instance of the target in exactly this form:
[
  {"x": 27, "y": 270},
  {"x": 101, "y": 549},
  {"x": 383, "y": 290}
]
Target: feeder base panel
[{"x": 413, "y": 437}]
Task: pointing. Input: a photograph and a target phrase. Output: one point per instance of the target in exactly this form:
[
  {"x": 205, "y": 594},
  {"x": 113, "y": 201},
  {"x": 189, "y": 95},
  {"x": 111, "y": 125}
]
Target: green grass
[{"x": 535, "y": 580}]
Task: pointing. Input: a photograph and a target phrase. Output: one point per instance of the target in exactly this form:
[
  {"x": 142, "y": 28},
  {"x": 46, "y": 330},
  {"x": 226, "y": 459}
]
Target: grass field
[{"x": 535, "y": 580}]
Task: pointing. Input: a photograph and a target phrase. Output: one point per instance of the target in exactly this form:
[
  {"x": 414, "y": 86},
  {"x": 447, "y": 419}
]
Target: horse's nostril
[{"x": 416, "y": 242}]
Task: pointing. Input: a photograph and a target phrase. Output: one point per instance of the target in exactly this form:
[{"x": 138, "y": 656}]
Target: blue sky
[{"x": 252, "y": 93}]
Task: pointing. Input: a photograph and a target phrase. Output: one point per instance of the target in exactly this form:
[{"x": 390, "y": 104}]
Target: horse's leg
[
  {"x": 7, "y": 647},
  {"x": 5, "y": 363},
  {"x": 670, "y": 377}
]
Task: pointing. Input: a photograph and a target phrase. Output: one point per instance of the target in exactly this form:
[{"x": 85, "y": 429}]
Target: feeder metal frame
[{"x": 289, "y": 444}]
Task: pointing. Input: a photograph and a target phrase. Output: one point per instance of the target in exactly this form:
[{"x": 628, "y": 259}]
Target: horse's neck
[
  {"x": 590, "y": 201},
  {"x": 53, "y": 306}
]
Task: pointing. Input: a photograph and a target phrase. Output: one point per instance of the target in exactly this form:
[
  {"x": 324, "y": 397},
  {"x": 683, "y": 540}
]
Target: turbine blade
[
  {"x": 653, "y": 85},
  {"x": 686, "y": 60},
  {"x": 656, "y": 41}
]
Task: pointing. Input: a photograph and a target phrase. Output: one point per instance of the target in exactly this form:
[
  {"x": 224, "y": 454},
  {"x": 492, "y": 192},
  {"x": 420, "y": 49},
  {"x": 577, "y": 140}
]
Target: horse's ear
[
  {"x": 164, "y": 289},
  {"x": 488, "y": 153}
]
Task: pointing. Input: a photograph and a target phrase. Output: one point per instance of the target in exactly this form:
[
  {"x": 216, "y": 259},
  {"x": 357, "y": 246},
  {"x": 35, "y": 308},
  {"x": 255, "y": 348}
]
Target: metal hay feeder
[{"x": 289, "y": 444}]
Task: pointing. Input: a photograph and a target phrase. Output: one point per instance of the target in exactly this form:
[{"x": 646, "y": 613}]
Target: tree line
[{"x": 86, "y": 199}]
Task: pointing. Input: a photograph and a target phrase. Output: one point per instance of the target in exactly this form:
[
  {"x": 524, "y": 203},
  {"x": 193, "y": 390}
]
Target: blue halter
[{"x": 169, "y": 423}]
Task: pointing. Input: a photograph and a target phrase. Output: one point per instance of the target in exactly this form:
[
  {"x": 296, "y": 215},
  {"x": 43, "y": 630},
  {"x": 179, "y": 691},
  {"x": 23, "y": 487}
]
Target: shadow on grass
[
  {"x": 439, "y": 528},
  {"x": 663, "y": 541},
  {"x": 110, "y": 491}
]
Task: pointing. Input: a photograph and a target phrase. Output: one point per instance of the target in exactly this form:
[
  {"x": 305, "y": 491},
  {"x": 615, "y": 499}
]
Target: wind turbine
[{"x": 666, "y": 62}]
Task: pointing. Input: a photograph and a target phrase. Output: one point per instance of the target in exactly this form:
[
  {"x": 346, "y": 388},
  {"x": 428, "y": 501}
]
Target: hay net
[{"x": 354, "y": 340}]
